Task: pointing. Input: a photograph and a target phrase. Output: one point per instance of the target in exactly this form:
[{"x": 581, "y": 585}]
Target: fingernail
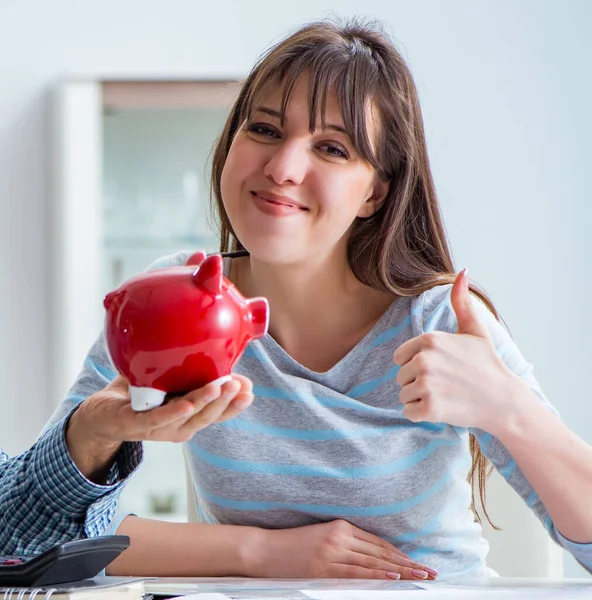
[
  {"x": 419, "y": 574},
  {"x": 394, "y": 575},
  {"x": 432, "y": 572},
  {"x": 466, "y": 277},
  {"x": 243, "y": 404}
]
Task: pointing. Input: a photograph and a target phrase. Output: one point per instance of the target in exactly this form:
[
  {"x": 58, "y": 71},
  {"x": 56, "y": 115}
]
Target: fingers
[
  {"x": 149, "y": 422},
  {"x": 412, "y": 392},
  {"x": 246, "y": 383},
  {"x": 119, "y": 384},
  {"x": 417, "y": 403},
  {"x": 237, "y": 406},
  {"x": 209, "y": 414},
  {"x": 417, "y": 412},
  {"x": 409, "y": 372},
  {"x": 354, "y": 571},
  {"x": 347, "y": 571},
  {"x": 378, "y": 549},
  {"x": 155, "y": 421},
  {"x": 394, "y": 566},
  {"x": 178, "y": 419},
  {"x": 406, "y": 351},
  {"x": 433, "y": 340},
  {"x": 466, "y": 312}
]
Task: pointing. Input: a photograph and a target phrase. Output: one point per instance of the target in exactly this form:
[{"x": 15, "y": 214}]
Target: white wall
[{"x": 506, "y": 92}]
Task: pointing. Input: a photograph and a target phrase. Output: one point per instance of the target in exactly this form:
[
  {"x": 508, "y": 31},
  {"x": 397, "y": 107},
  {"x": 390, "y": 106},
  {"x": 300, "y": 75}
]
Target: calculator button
[{"x": 12, "y": 561}]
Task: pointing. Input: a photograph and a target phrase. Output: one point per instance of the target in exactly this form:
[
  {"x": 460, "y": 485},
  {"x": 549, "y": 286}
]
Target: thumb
[
  {"x": 118, "y": 384},
  {"x": 466, "y": 314}
]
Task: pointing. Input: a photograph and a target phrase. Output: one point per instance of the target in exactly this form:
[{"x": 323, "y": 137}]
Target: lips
[{"x": 278, "y": 200}]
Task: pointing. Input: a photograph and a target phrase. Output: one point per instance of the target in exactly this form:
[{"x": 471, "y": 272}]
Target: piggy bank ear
[
  {"x": 209, "y": 275},
  {"x": 108, "y": 300},
  {"x": 196, "y": 259}
]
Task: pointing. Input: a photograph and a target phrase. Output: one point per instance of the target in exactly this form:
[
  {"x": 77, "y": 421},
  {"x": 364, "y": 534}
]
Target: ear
[{"x": 375, "y": 200}]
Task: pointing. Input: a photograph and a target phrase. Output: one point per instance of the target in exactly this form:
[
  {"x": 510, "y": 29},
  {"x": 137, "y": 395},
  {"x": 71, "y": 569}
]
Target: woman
[{"x": 352, "y": 460}]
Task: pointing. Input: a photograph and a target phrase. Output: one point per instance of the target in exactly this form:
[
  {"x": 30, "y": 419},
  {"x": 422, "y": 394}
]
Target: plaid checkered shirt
[{"x": 45, "y": 500}]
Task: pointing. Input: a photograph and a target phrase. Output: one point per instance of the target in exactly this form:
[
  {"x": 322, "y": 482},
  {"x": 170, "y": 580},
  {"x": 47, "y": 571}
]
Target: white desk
[{"x": 361, "y": 589}]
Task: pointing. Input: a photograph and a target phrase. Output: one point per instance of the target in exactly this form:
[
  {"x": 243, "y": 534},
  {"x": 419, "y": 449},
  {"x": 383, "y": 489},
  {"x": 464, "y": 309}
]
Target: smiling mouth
[{"x": 277, "y": 203}]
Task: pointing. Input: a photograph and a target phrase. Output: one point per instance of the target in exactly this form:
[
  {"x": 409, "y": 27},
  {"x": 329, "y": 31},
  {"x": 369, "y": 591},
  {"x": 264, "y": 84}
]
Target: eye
[
  {"x": 335, "y": 150},
  {"x": 262, "y": 130}
]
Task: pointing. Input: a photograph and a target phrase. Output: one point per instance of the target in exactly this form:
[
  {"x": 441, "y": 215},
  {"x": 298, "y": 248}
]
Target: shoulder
[
  {"x": 435, "y": 309},
  {"x": 432, "y": 311},
  {"x": 436, "y": 314}
]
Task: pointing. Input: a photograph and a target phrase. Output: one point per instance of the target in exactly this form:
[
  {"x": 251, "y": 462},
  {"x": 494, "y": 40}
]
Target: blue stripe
[
  {"x": 263, "y": 468},
  {"x": 507, "y": 470},
  {"x": 452, "y": 546},
  {"x": 332, "y": 509},
  {"x": 391, "y": 333},
  {"x": 430, "y": 526},
  {"x": 252, "y": 351},
  {"x": 374, "y": 384},
  {"x": 425, "y": 551},
  {"x": 250, "y": 427},
  {"x": 93, "y": 365},
  {"x": 344, "y": 403},
  {"x": 75, "y": 398},
  {"x": 437, "y": 314},
  {"x": 305, "y": 397},
  {"x": 531, "y": 499},
  {"x": 484, "y": 442}
]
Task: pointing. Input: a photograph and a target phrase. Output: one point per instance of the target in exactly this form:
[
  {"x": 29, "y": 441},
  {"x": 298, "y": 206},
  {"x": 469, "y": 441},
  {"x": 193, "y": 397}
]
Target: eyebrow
[{"x": 274, "y": 113}]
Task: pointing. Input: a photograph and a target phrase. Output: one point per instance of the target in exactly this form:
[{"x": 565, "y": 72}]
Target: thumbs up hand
[{"x": 456, "y": 378}]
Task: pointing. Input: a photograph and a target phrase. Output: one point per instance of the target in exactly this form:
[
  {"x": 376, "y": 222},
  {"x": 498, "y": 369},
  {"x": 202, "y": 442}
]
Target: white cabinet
[{"x": 130, "y": 184}]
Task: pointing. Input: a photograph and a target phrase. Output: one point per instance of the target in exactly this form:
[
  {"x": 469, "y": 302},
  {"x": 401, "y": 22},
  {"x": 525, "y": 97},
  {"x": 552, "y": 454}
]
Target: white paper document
[
  {"x": 206, "y": 596},
  {"x": 436, "y": 593},
  {"x": 242, "y": 588}
]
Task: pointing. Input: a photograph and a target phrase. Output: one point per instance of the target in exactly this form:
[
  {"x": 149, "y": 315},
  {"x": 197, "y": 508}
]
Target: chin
[{"x": 274, "y": 252}]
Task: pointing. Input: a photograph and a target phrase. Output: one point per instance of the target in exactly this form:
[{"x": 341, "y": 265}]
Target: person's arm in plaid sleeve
[{"x": 45, "y": 499}]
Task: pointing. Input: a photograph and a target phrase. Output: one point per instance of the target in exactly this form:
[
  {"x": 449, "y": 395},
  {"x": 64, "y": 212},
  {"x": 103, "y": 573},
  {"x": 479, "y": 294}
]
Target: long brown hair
[{"x": 402, "y": 248}]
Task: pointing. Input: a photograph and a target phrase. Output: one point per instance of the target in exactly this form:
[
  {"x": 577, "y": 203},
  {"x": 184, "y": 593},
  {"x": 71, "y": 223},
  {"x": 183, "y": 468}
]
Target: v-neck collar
[{"x": 343, "y": 368}]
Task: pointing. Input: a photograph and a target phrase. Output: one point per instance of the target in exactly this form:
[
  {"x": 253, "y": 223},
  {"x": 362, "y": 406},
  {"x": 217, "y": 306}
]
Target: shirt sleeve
[
  {"x": 438, "y": 314},
  {"x": 45, "y": 500}
]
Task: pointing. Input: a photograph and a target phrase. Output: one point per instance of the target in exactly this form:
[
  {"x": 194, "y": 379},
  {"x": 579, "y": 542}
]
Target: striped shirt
[
  {"x": 315, "y": 447},
  {"x": 45, "y": 500}
]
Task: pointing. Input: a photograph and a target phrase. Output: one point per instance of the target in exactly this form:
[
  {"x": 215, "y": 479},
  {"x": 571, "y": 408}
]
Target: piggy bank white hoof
[
  {"x": 222, "y": 379},
  {"x": 146, "y": 398}
]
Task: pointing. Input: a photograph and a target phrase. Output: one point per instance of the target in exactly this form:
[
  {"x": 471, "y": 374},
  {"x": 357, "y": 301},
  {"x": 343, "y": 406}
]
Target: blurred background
[{"x": 108, "y": 113}]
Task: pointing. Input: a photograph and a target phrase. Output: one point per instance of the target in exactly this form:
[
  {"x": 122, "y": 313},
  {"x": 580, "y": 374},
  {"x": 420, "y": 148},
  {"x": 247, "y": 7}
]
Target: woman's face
[{"x": 292, "y": 195}]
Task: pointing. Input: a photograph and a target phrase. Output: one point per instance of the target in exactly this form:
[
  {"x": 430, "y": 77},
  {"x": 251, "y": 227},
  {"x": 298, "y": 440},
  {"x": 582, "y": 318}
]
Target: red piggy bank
[{"x": 173, "y": 330}]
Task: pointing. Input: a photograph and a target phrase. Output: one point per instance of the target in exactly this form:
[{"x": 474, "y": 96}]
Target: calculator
[{"x": 64, "y": 563}]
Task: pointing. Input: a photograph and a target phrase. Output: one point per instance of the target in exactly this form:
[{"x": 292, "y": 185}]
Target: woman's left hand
[{"x": 456, "y": 378}]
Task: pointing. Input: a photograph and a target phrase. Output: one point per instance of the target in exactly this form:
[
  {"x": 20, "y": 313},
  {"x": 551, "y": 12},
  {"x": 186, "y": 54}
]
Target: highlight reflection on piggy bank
[{"x": 173, "y": 330}]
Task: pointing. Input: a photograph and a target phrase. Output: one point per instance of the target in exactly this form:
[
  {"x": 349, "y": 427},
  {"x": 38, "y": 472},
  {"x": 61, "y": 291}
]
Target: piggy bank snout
[{"x": 259, "y": 315}]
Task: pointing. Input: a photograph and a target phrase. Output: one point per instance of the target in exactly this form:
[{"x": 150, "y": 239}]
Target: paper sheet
[
  {"x": 206, "y": 597},
  {"x": 451, "y": 594}
]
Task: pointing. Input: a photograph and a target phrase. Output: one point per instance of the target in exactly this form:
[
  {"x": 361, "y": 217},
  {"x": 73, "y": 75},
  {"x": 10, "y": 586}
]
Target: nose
[{"x": 287, "y": 163}]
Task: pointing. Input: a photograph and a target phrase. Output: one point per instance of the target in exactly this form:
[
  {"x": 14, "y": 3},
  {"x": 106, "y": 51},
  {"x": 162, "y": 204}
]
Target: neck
[{"x": 312, "y": 301}]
